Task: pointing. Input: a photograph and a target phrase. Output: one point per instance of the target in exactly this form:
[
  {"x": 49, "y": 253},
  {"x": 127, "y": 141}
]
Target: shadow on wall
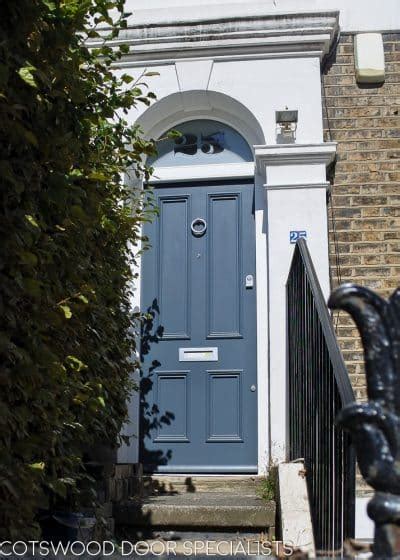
[{"x": 151, "y": 418}]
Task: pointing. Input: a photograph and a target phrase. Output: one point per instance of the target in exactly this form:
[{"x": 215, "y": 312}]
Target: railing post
[{"x": 375, "y": 425}]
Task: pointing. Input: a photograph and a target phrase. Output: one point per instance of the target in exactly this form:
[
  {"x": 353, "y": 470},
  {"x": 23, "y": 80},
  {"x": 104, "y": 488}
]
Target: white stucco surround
[{"x": 241, "y": 74}]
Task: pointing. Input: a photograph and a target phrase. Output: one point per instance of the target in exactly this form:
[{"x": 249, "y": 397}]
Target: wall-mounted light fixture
[{"x": 286, "y": 126}]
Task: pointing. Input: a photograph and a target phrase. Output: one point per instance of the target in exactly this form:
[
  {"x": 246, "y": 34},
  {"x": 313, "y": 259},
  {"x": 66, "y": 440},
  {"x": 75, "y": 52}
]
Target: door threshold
[{"x": 204, "y": 471}]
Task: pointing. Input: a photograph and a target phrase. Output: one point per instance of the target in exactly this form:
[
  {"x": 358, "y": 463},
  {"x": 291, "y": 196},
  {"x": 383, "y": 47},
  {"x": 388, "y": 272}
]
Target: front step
[
  {"x": 197, "y": 510},
  {"x": 198, "y": 502},
  {"x": 165, "y": 484}
]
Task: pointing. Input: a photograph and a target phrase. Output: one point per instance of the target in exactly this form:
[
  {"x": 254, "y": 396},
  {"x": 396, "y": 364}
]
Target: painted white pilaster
[{"x": 295, "y": 190}]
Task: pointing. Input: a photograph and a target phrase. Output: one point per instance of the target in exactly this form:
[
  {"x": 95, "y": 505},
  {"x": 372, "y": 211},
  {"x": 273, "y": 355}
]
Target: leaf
[
  {"x": 26, "y": 74},
  {"x": 50, "y": 5},
  {"x": 67, "y": 311},
  {"x": 31, "y": 138},
  {"x": 149, "y": 74},
  {"x": 174, "y": 134},
  {"x": 83, "y": 298},
  {"x": 77, "y": 212},
  {"x": 96, "y": 176},
  {"x": 101, "y": 401},
  {"x": 28, "y": 258},
  {"x": 31, "y": 220},
  {"x": 80, "y": 398},
  {"x": 69, "y": 481},
  {"x": 10, "y": 487},
  {"x": 58, "y": 487},
  {"x": 32, "y": 286},
  {"x": 93, "y": 34},
  {"x": 37, "y": 466},
  {"x": 75, "y": 363}
]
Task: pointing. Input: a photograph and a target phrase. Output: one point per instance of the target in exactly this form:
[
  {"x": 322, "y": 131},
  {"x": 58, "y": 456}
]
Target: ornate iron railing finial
[{"x": 375, "y": 425}]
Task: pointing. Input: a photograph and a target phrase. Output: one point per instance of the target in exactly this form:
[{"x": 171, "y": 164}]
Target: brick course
[{"x": 365, "y": 201}]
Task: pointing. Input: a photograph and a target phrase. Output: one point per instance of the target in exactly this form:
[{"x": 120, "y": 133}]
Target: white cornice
[
  {"x": 254, "y": 34},
  {"x": 294, "y": 154}
]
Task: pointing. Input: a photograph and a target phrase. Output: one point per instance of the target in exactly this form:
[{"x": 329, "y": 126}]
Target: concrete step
[
  {"x": 165, "y": 484},
  {"x": 197, "y": 510}
]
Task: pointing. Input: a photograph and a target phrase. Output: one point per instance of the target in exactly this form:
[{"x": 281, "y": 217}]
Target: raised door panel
[
  {"x": 172, "y": 398},
  {"x": 224, "y": 406},
  {"x": 174, "y": 267},
  {"x": 224, "y": 266}
]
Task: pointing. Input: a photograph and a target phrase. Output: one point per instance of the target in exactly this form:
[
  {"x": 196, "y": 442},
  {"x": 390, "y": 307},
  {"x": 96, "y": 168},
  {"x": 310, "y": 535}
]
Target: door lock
[
  {"x": 253, "y": 388},
  {"x": 249, "y": 281}
]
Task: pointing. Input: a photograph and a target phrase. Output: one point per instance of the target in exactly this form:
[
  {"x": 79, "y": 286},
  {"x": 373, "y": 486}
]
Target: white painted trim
[
  {"x": 325, "y": 185},
  {"x": 253, "y": 33},
  {"x": 202, "y": 172},
  {"x": 129, "y": 62},
  {"x": 263, "y": 381},
  {"x": 294, "y": 154}
]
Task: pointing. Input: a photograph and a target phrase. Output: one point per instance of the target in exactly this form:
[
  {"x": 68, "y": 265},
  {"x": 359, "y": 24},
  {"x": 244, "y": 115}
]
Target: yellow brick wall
[{"x": 365, "y": 204}]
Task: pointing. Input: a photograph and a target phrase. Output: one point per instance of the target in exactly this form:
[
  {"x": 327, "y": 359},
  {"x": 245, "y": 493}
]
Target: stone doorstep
[
  {"x": 166, "y": 484},
  {"x": 200, "y": 510}
]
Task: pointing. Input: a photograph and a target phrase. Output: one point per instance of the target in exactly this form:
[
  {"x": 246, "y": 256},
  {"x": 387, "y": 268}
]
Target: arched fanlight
[{"x": 201, "y": 142}]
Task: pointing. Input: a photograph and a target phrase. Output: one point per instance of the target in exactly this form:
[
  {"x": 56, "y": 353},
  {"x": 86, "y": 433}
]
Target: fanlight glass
[{"x": 202, "y": 142}]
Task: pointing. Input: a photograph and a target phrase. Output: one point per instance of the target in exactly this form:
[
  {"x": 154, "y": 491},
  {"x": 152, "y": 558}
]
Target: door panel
[
  {"x": 174, "y": 266},
  {"x": 224, "y": 261},
  {"x": 224, "y": 394},
  {"x": 171, "y": 393},
  {"x": 199, "y": 407}
]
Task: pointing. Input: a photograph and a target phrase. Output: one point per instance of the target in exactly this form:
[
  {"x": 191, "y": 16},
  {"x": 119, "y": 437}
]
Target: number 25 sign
[{"x": 294, "y": 236}]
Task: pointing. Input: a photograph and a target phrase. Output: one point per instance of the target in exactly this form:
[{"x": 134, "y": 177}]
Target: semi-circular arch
[{"x": 178, "y": 108}]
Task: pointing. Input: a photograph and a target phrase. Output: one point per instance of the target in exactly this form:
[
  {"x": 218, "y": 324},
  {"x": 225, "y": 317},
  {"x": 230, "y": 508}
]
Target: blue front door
[{"x": 199, "y": 380}]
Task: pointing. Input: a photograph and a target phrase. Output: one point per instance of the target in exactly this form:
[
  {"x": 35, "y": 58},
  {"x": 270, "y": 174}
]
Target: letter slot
[{"x": 198, "y": 354}]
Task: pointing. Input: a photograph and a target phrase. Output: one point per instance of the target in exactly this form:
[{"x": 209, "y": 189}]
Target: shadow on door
[{"x": 151, "y": 418}]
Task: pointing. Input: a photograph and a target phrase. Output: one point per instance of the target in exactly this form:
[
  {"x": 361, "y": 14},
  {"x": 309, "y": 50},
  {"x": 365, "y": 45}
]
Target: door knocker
[{"x": 198, "y": 227}]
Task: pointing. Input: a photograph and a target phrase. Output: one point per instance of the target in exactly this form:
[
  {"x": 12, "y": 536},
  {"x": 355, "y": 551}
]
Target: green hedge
[{"x": 65, "y": 226}]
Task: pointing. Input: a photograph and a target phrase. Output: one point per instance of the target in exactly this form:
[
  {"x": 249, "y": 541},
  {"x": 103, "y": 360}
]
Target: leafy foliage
[{"x": 69, "y": 228}]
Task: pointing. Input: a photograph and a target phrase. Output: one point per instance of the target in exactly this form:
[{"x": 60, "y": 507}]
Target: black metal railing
[{"x": 318, "y": 388}]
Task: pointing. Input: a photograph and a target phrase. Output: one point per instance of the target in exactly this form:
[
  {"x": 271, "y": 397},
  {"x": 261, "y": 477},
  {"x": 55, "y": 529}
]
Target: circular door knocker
[{"x": 198, "y": 227}]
